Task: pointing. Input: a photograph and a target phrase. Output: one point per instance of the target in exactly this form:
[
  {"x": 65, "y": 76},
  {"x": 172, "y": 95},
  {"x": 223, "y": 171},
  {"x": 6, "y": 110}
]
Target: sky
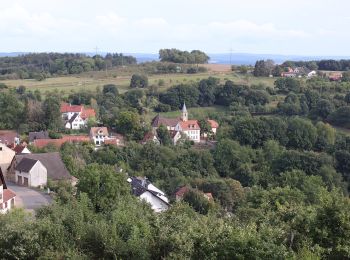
[{"x": 298, "y": 27}]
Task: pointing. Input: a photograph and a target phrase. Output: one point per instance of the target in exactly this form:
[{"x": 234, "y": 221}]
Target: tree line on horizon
[{"x": 42, "y": 65}]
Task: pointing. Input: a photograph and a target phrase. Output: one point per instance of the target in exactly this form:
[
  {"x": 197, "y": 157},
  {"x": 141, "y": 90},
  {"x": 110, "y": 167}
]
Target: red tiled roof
[
  {"x": 209, "y": 196},
  {"x": 8, "y": 194},
  {"x": 213, "y": 123},
  {"x": 181, "y": 192},
  {"x": 112, "y": 141},
  {"x": 189, "y": 125},
  {"x": 19, "y": 149},
  {"x": 41, "y": 143},
  {"x": 88, "y": 113},
  {"x": 95, "y": 130},
  {"x": 65, "y": 108},
  {"x": 76, "y": 138},
  {"x": 7, "y": 137},
  {"x": 148, "y": 137}
]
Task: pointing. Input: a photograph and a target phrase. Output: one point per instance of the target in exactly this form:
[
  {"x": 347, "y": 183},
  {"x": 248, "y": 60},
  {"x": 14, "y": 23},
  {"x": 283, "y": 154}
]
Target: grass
[
  {"x": 343, "y": 130},
  {"x": 121, "y": 78},
  {"x": 194, "y": 112}
]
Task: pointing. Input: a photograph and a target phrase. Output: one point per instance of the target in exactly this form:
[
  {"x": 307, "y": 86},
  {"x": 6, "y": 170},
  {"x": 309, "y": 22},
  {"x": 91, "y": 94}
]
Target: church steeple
[{"x": 184, "y": 114}]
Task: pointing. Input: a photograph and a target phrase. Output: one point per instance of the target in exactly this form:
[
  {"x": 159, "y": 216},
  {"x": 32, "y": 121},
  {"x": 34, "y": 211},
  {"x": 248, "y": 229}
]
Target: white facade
[
  {"x": 99, "y": 138},
  {"x": 6, "y": 156},
  {"x": 312, "y": 74},
  {"x": 176, "y": 137},
  {"x": 26, "y": 151},
  {"x": 157, "y": 204},
  {"x": 5, "y": 206},
  {"x": 68, "y": 115},
  {"x": 36, "y": 177},
  {"x": 191, "y": 134},
  {"x": 78, "y": 123}
]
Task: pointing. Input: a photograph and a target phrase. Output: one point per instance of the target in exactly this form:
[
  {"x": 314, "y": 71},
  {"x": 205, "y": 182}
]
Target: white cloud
[
  {"x": 151, "y": 23},
  {"x": 248, "y": 28},
  {"x": 116, "y": 25},
  {"x": 111, "y": 21}
]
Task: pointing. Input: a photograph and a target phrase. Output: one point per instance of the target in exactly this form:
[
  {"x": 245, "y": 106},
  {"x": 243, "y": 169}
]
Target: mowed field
[{"x": 121, "y": 77}]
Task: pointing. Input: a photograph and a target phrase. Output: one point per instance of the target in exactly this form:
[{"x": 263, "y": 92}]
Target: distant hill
[
  {"x": 217, "y": 58},
  {"x": 250, "y": 59}
]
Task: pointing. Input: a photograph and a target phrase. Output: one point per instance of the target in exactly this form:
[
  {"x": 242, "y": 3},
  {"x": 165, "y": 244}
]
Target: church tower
[{"x": 184, "y": 115}]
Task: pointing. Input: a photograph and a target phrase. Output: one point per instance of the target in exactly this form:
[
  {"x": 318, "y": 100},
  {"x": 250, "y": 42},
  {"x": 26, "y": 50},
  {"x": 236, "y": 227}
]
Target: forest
[
  {"x": 42, "y": 65},
  {"x": 279, "y": 175}
]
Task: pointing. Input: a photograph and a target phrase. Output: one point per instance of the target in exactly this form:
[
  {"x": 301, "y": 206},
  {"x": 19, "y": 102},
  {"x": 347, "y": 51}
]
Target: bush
[
  {"x": 192, "y": 70},
  {"x": 54, "y": 135},
  {"x": 161, "y": 82},
  {"x": 162, "y": 108},
  {"x": 138, "y": 81}
]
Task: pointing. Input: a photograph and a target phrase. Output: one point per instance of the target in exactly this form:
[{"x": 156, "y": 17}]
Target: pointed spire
[
  {"x": 184, "y": 114},
  {"x": 184, "y": 109}
]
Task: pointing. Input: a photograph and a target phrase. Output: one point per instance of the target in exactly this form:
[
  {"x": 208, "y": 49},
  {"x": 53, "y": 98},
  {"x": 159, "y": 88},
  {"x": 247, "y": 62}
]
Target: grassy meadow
[{"x": 121, "y": 77}]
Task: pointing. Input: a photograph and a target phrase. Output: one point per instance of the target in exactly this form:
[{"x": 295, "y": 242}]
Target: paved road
[{"x": 29, "y": 199}]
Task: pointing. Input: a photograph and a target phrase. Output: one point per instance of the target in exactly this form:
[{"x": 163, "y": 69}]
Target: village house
[
  {"x": 150, "y": 137},
  {"x": 214, "y": 126},
  {"x": 335, "y": 76},
  {"x": 180, "y": 193},
  {"x": 288, "y": 74},
  {"x": 21, "y": 148},
  {"x": 188, "y": 127},
  {"x": 6, "y": 157},
  {"x": 31, "y": 173},
  {"x": 9, "y": 138},
  {"x": 7, "y": 196},
  {"x": 175, "y": 136},
  {"x": 311, "y": 74},
  {"x": 147, "y": 192},
  {"x": 75, "y": 116},
  {"x": 37, "y": 136},
  {"x": 100, "y": 136},
  {"x": 52, "y": 162}
]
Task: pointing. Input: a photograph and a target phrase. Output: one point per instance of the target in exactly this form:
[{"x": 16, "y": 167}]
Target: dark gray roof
[
  {"x": 71, "y": 120},
  {"x": 139, "y": 186},
  {"x": 56, "y": 170},
  {"x": 38, "y": 135},
  {"x": 2, "y": 179},
  {"x": 25, "y": 165}
]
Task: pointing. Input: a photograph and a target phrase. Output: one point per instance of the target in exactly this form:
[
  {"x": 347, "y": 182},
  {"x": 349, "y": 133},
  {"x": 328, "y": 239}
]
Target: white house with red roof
[
  {"x": 75, "y": 116},
  {"x": 188, "y": 127},
  {"x": 214, "y": 125},
  {"x": 7, "y": 196}
]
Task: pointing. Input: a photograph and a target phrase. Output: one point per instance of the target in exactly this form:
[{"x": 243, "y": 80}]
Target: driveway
[{"x": 29, "y": 199}]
